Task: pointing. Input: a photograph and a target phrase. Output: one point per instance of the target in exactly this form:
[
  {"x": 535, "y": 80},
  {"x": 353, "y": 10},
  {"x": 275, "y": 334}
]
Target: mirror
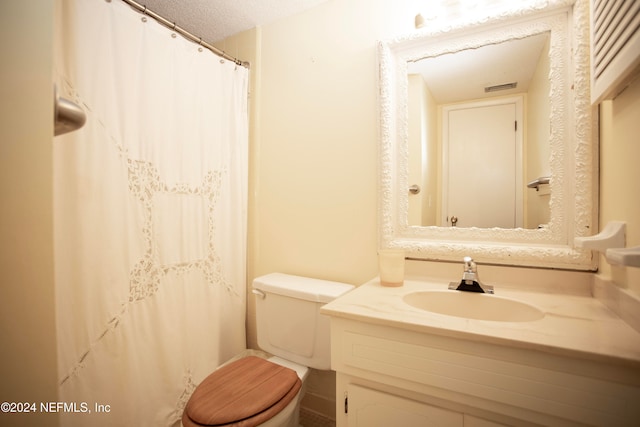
[
  {"x": 554, "y": 152},
  {"x": 478, "y": 126}
]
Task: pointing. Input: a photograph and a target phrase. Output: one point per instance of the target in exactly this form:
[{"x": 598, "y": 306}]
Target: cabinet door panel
[{"x": 370, "y": 408}]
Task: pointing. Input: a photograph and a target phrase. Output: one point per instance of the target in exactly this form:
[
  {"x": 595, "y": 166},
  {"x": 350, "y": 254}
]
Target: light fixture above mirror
[{"x": 571, "y": 140}]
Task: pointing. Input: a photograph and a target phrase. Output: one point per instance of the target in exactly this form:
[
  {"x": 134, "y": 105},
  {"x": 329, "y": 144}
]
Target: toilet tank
[{"x": 288, "y": 319}]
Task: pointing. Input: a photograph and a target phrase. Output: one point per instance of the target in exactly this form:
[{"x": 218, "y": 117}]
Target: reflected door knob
[{"x": 454, "y": 221}]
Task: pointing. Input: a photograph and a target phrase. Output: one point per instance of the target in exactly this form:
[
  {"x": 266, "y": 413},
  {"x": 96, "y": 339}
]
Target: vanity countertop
[{"x": 573, "y": 326}]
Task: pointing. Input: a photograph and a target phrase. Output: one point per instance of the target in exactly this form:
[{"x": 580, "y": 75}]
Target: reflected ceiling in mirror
[
  {"x": 465, "y": 75},
  {"x": 572, "y": 162}
]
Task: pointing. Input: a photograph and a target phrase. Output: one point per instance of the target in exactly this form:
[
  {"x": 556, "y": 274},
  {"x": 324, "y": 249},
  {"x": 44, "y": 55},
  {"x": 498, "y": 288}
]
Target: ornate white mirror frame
[{"x": 573, "y": 142}]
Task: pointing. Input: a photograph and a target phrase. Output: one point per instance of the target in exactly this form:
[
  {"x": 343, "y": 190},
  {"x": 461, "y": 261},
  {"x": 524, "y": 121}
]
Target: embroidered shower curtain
[{"x": 150, "y": 216}]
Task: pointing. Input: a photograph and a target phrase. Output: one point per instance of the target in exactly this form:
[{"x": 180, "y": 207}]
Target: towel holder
[
  {"x": 611, "y": 236},
  {"x": 629, "y": 257},
  {"x": 536, "y": 183}
]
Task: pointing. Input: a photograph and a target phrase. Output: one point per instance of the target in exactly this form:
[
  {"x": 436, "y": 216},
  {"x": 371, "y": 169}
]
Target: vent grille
[
  {"x": 504, "y": 86},
  {"x": 615, "y": 44}
]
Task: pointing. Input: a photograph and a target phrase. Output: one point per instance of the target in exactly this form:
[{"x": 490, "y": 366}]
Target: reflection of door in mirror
[
  {"x": 481, "y": 145},
  {"x": 442, "y": 80}
]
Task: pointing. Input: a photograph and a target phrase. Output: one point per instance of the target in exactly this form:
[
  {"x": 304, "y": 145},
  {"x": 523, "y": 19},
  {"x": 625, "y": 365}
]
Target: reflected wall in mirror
[
  {"x": 554, "y": 139},
  {"x": 478, "y": 129}
]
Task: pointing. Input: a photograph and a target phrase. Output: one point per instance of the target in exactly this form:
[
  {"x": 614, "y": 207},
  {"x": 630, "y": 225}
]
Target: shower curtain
[{"x": 149, "y": 216}]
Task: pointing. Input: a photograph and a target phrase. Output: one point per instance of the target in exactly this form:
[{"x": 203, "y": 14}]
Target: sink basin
[{"x": 473, "y": 305}]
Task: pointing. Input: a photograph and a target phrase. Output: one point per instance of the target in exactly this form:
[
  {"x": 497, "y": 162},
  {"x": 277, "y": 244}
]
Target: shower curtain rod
[{"x": 172, "y": 26}]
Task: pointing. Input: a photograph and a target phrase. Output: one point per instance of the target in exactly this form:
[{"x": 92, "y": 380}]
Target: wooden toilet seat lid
[{"x": 244, "y": 393}]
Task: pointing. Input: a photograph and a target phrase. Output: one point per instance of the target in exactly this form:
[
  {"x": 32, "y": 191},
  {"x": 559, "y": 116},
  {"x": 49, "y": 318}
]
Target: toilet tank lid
[{"x": 305, "y": 288}]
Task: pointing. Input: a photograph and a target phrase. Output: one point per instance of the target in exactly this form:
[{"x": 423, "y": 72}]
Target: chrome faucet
[{"x": 470, "y": 281}]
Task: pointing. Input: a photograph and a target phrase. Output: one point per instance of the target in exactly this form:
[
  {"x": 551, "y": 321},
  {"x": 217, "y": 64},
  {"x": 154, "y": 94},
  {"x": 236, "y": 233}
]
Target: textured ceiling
[{"x": 214, "y": 20}]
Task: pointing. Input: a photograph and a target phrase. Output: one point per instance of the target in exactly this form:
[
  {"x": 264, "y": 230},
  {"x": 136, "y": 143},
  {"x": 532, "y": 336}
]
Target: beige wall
[
  {"x": 28, "y": 371},
  {"x": 314, "y": 195},
  {"x": 314, "y": 170},
  {"x": 316, "y": 191},
  {"x": 313, "y": 202},
  {"x": 620, "y": 176}
]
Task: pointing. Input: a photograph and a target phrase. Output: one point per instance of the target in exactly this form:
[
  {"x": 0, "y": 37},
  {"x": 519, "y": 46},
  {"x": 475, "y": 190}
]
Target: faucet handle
[
  {"x": 470, "y": 273},
  {"x": 469, "y": 265}
]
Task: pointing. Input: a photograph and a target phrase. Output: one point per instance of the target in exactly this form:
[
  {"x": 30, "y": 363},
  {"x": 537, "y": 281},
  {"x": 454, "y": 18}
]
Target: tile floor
[{"x": 312, "y": 419}]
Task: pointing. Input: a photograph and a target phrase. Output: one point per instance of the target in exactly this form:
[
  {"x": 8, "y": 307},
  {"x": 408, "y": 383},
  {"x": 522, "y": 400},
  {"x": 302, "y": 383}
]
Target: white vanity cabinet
[{"x": 396, "y": 376}]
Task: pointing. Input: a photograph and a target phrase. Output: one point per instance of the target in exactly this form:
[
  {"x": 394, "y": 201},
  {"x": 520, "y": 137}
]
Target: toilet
[{"x": 267, "y": 391}]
